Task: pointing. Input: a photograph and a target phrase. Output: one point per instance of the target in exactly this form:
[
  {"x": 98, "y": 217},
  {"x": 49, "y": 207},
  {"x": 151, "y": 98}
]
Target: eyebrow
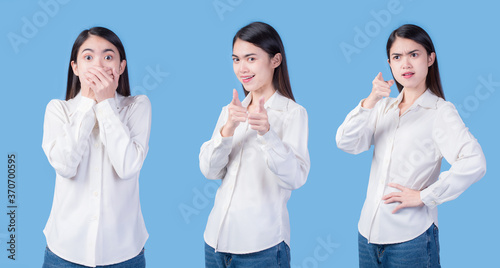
[
  {"x": 399, "y": 54},
  {"x": 247, "y": 55},
  {"x": 104, "y": 51}
]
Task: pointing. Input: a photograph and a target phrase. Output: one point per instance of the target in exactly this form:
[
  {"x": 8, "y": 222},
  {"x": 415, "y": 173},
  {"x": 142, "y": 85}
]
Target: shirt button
[
  {"x": 96, "y": 169},
  {"x": 433, "y": 202},
  {"x": 96, "y": 193},
  {"x": 96, "y": 145},
  {"x": 94, "y": 218}
]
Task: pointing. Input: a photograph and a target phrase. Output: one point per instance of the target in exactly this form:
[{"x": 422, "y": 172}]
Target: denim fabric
[
  {"x": 422, "y": 251},
  {"x": 51, "y": 260},
  {"x": 277, "y": 256}
]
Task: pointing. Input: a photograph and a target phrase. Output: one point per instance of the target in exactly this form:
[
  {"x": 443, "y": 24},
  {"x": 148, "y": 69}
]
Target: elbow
[
  {"x": 205, "y": 170},
  {"x": 129, "y": 172},
  {"x": 67, "y": 173}
]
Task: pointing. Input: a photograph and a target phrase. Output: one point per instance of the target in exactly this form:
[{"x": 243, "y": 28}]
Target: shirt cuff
[
  {"x": 105, "y": 108},
  {"x": 85, "y": 104},
  {"x": 221, "y": 141},
  {"x": 268, "y": 140},
  {"x": 428, "y": 198}
]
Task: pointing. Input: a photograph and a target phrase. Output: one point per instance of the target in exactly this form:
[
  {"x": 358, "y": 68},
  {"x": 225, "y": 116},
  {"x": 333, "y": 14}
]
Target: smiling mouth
[{"x": 247, "y": 79}]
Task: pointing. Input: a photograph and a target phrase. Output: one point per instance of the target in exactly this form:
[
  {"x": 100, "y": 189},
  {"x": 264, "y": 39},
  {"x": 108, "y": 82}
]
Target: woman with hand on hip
[
  {"x": 96, "y": 140},
  {"x": 259, "y": 151},
  {"x": 410, "y": 135}
]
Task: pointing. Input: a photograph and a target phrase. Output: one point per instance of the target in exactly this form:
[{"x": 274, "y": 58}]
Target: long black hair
[
  {"x": 267, "y": 38},
  {"x": 73, "y": 86},
  {"x": 420, "y": 36}
]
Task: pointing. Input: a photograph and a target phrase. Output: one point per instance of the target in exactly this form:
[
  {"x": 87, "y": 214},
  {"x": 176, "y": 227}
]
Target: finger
[
  {"x": 261, "y": 108},
  {"x": 101, "y": 73},
  {"x": 398, "y": 208},
  {"x": 392, "y": 200},
  {"x": 115, "y": 76},
  {"x": 92, "y": 78},
  {"x": 255, "y": 122},
  {"x": 97, "y": 74},
  {"x": 239, "y": 118},
  {"x": 379, "y": 77},
  {"x": 236, "y": 100},
  {"x": 256, "y": 116},
  {"x": 390, "y": 82},
  {"x": 397, "y": 186}
]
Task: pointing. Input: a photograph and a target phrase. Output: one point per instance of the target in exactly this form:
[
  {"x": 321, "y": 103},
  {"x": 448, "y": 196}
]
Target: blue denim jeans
[
  {"x": 422, "y": 251},
  {"x": 277, "y": 256},
  {"x": 51, "y": 260}
]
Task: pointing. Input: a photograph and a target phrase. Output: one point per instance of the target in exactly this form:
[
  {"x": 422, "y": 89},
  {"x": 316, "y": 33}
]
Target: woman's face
[
  {"x": 98, "y": 53},
  {"x": 253, "y": 66},
  {"x": 409, "y": 63}
]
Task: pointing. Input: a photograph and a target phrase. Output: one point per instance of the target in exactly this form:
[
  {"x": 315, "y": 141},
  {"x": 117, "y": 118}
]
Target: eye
[
  {"x": 395, "y": 58},
  {"x": 251, "y": 59},
  {"x": 87, "y": 57},
  {"x": 108, "y": 57},
  {"x": 236, "y": 60},
  {"x": 414, "y": 55}
]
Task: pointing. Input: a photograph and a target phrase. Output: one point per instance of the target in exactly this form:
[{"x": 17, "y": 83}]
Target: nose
[
  {"x": 99, "y": 62},
  {"x": 406, "y": 63},
  {"x": 243, "y": 68}
]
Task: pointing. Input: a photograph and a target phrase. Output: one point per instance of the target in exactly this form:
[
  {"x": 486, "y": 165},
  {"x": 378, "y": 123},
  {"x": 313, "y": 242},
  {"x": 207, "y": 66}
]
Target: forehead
[
  {"x": 97, "y": 44},
  {"x": 242, "y": 48},
  {"x": 404, "y": 45}
]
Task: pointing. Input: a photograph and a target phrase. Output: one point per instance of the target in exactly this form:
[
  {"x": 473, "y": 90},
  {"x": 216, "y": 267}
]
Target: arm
[
  {"x": 355, "y": 135},
  {"x": 214, "y": 154},
  {"x": 65, "y": 137},
  {"x": 126, "y": 142},
  {"x": 288, "y": 158},
  {"x": 462, "y": 151}
]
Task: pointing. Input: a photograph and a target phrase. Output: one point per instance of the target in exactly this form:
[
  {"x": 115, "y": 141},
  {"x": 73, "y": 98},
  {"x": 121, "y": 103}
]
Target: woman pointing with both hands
[
  {"x": 410, "y": 134},
  {"x": 259, "y": 151}
]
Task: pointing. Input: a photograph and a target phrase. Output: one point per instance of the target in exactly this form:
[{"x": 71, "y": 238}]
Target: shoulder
[
  {"x": 59, "y": 105},
  {"x": 134, "y": 101}
]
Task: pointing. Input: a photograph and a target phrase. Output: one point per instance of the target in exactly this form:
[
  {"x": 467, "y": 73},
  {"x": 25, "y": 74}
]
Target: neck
[
  {"x": 256, "y": 95},
  {"x": 410, "y": 95}
]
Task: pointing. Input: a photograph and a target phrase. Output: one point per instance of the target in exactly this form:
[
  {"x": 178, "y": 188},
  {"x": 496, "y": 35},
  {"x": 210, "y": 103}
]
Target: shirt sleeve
[
  {"x": 126, "y": 141},
  {"x": 355, "y": 135},
  {"x": 288, "y": 157},
  {"x": 214, "y": 154},
  {"x": 462, "y": 151},
  {"x": 65, "y": 136}
]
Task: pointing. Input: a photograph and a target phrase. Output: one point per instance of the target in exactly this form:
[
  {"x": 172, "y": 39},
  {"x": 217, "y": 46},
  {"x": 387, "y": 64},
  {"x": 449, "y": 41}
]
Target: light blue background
[{"x": 191, "y": 42}]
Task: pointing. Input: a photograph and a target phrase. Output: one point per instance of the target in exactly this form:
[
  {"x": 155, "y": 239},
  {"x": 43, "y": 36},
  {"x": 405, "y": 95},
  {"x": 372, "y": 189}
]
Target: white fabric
[
  {"x": 408, "y": 150},
  {"x": 97, "y": 151},
  {"x": 258, "y": 174}
]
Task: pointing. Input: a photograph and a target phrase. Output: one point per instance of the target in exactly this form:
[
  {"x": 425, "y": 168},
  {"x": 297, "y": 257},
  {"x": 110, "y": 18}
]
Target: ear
[
  {"x": 389, "y": 61},
  {"x": 123, "y": 64},
  {"x": 74, "y": 66},
  {"x": 276, "y": 60},
  {"x": 431, "y": 59}
]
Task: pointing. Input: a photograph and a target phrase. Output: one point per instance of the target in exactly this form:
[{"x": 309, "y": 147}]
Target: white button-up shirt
[
  {"x": 408, "y": 150},
  {"x": 258, "y": 175},
  {"x": 97, "y": 151}
]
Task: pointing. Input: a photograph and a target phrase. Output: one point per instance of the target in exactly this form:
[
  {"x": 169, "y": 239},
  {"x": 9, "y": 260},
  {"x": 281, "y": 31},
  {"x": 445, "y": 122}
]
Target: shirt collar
[
  {"x": 276, "y": 102},
  {"x": 426, "y": 100},
  {"x": 117, "y": 99}
]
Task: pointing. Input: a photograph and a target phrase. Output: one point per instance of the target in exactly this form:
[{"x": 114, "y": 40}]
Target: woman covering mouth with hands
[
  {"x": 96, "y": 140},
  {"x": 410, "y": 134},
  {"x": 259, "y": 151}
]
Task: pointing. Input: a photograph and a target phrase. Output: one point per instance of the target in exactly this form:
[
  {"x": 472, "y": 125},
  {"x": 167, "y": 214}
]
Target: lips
[
  {"x": 247, "y": 79},
  {"x": 408, "y": 74}
]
